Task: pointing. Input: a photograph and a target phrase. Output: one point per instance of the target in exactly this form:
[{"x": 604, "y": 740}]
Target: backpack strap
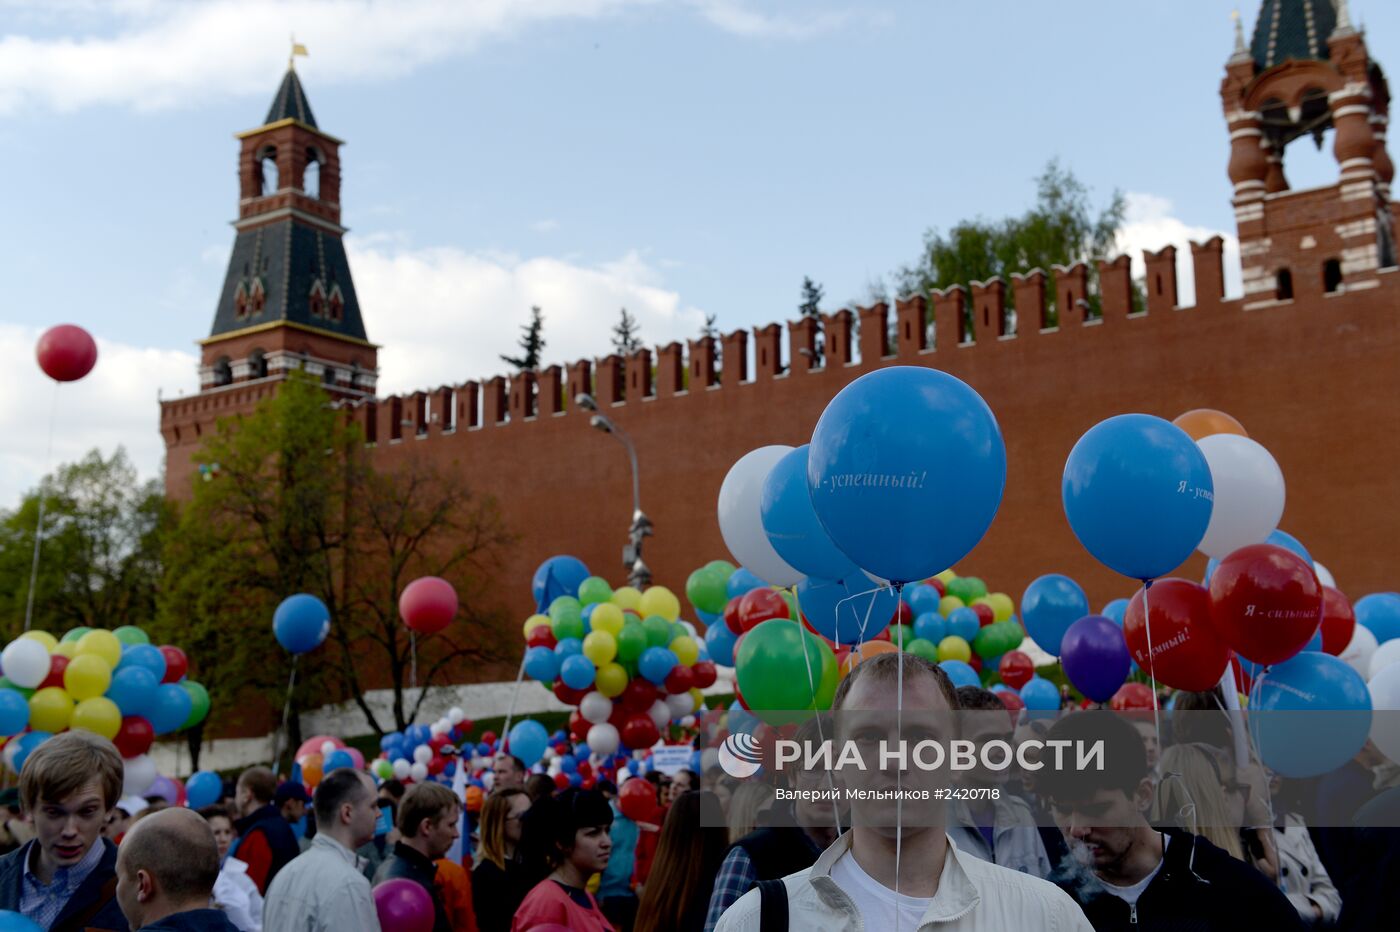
[
  {"x": 105, "y": 895},
  {"x": 773, "y": 906}
]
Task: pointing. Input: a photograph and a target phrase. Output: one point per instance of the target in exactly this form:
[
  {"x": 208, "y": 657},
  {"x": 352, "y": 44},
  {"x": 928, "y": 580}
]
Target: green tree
[
  {"x": 531, "y": 343},
  {"x": 100, "y": 557},
  {"x": 625, "y": 335},
  {"x": 810, "y": 307}
]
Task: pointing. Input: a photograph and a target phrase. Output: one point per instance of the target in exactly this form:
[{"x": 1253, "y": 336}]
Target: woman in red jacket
[{"x": 570, "y": 832}]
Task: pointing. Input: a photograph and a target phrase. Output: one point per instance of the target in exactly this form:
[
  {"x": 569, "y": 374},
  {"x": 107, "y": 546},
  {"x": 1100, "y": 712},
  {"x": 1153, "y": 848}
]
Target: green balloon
[
  {"x": 566, "y": 617},
  {"x": 791, "y": 601},
  {"x": 631, "y": 641},
  {"x": 777, "y": 676},
  {"x": 7, "y": 683},
  {"x": 922, "y": 647},
  {"x": 199, "y": 702},
  {"x": 1015, "y": 634},
  {"x": 724, "y": 566},
  {"x": 830, "y": 678},
  {"x": 130, "y": 634},
  {"x": 75, "y": 634},
  {"x": 705, "y": 589},
  {"x": 658, "y": 631},
  {"x": 594, "y": 589},
  {"x": 902, "y": 634},
  {"x": 988, "y": 642}
]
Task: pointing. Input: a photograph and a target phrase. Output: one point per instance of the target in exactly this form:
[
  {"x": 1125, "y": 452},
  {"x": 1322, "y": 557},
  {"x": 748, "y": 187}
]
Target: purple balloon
[
  {"x": 1095, "y": 657},
  {"x": 404, "y": 906},
  {"x": 165, "y": 788}
]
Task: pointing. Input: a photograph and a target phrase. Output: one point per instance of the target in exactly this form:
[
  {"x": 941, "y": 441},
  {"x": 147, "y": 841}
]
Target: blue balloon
[
  {"x": 300, "y": 623},
  {"x": 825, "y": 605},
  {"x": 931, "y": 626},
  {"x": 541, "y": 663},
  {"x": 27, "y": 742},
  {"x": 921, "y": 598},
  {"x": 170, "y": 708},
  {"x": 568, "y": 764},
  {"x": 14, "y": 712},
  {"x": 11, "y": 921},
  {"x": 906, "y": 470},
  {"x": 656, "y": 663},
  {"x": 1289, "y": 542},
  {"x": 1314, "y": 642},
  {"x": 389, "y": 740},
  {"x": 741, "y": 720},
  {"x": 586, "y": 613},
  {"x": 1211, "y": 565},
  {"x": 1138, "y": 494},
  {"x": 791, "y": 523},
  {"x": 720, "y": 641},
  {"x": 143, "y": 655},
  {"x": 1330, "y": 716},
  {"x": 337, "y": 759},
  {"x": 133, "y": 689},
  {"x": 527, "y": 741},
  {"x": 964, "y": 623},
  {"x": 483, "y": 748},
  {"x": 577, "y": 672},
  {"x": 204, "y": 788},
  {"x": 418, "y": 734},
  {"x": 1116, "y": 611},
  {"x": 1040, "y": 696},
  {"x": 568, "y": 647},
  {"x": 1051, "y": 604},
  {"x": 1380, "y": 612},
  {"x": 960, "y": 673},
  {"x": 561, "y": 575},
  {"x": 706, "y": 618},
  {"x": 741, "y": 581}
]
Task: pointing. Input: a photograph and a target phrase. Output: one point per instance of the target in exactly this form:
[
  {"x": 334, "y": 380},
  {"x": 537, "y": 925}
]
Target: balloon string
[
  {"x": 413, "y": 659},
  {"x": 39, "y": 522},
  {"x": 812, "y": 688},
  {"x": 286, "y": 714},
  {"x": 860, "y": 646},
  {"x": 515, "y": 693},
  {"x": 1151, "y": 661},
  {"x": 898, "y": 774}
]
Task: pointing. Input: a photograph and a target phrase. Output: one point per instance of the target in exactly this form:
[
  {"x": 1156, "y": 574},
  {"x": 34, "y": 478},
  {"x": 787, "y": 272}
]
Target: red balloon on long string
[
  {"x": 66, "y": 353},
  {"x": 1338, "y": 621},
  {"x": 428, "y": 604},
  {"x": 1265, "y": 602},
  {"x": 1186, "y": 652}
]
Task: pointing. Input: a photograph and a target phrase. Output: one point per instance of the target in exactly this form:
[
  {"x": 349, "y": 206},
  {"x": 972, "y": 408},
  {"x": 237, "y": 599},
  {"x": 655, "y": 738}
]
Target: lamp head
[{"x": 585, "y": 401}]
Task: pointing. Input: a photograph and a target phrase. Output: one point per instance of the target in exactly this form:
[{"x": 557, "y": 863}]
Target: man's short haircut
[
  {"x": 178, "y": 848},
  {"x": 429, "y": 801},
  {"x": 519, "y": 764},
  {"x": 261, "y": 782},
  {"x": 1124, "y": 756},
  {"x": 977, "y": 699},
  {"x": 537, "y": 785},
  {"x": 216, "y": 811},
  {"x": 339, "y": 787},
  {"x": 394, "y": 788},
  {"x": 885, "y": 668},
  {"x": 66, "y": 763}
]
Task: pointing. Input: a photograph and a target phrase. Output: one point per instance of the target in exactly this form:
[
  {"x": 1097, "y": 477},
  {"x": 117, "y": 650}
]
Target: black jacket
[
  {"x": 780, "y": 847},
  {"x": 281, "y": 840},
  {"x": 408, "y": 864},
  {"x": 497, "y": 894},
  {"x": 92, "y": 906},
  {"x": 194, "y": 920},
  {"x": 1215, "y": 892}
]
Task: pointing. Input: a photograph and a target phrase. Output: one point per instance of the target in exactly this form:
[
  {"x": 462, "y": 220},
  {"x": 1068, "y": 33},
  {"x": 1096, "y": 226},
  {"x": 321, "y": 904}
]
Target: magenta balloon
[
  {"x": 313, "y": 745},
  {"x": 1095, "y": 657},
  {"x": 403, "y": 906},
  {"x": 357, "y": 759},
  {"x": 427, "y": 605}
]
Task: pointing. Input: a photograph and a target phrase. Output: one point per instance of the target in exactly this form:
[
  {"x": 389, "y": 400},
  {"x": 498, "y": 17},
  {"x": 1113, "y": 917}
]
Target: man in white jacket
[{"x": 889, "y": 874}]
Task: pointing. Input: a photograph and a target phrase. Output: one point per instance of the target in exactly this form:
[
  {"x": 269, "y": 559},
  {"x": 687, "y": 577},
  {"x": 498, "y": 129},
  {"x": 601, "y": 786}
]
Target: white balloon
[
  {"x": 418, "y": 772},
  {"x": 688, "y": 721},
  {"x": 604, "y": 739},
  {"x": 327, "y": 747},
  {"x": 680, "y": 704},
  {"x": 422, "y": 754},
  {"x": 8, "y": 755},
  {"x": 139, "y": 773},
  {"x": 689, "y": 629},
  {"x": 1387, "y": 655},
  {"x": 1359, "y": 650},
  {"x": 436, "y": 729},
  {"x": 1249, "y": 493},
  {"x": 1385, "y": 702},
  {"x": 741, "y": 517},
  {"x": 596, "y": 708},
  {"x": 456, "y": 716},
  {"x": 660, "y": 713},
  {"x": 402, "y": 768},
  {"x": 26, "y": 662},
  {"x": 1324, "y": 575},
  {"x": 623, "y": 774},
  {"x": 709, "y": 758}
]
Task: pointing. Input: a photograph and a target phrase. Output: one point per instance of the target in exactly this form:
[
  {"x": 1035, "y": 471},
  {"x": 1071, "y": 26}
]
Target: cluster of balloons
[
  {"x": 113, "y": 683},
  {"x": 623, "y": 657},
  {"x": 421, "y": 751}
]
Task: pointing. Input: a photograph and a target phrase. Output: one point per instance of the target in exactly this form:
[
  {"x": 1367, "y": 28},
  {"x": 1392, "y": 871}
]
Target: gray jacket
[
  {"x": 321, "y": 890},
  {"x": 1014, "y": 833}
]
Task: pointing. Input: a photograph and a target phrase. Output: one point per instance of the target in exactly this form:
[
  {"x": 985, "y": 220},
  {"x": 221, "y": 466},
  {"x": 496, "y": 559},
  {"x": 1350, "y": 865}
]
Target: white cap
[{"x": 133, "y": 805}]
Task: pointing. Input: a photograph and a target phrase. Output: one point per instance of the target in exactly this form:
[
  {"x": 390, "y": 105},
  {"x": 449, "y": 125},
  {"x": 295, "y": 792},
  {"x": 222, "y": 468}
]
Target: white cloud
[
  {"x": 444, "y": 316},
  {"x": 1150, "y": 224},
  {"x": 548, "y": 225},
  {"x": 738, "y": 17},
  {"x": 116, "y": 405}
]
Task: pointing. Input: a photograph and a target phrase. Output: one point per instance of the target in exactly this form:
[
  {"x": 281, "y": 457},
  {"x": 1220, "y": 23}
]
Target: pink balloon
[
  {"x": 313, "y": 745},
  {"x": 404, "y": 906},
  {"x": 66, "y": 353},
  {"x": 428, "y": 604},
  {"x": 356, "y": 758}
]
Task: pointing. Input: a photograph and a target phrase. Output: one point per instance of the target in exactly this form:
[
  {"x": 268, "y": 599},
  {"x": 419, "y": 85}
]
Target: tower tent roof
[
  {"x": 1292, "y": 29},
  {"x": 291, "y": 103}
]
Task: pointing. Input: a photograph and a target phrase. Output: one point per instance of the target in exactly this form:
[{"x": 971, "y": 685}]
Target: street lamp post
[{"x": 638, "y": 574}]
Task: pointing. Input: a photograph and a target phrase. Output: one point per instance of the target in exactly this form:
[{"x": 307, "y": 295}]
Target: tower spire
[
  {"x": 1241, "y": 50},
  {"x": 1344, "y": 27}
]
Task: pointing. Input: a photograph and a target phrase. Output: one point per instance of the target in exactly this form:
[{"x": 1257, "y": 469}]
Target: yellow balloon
[
  {"x": 87, "y": 677},
  {"x": 686, "y": 650},
  {"x": 43, "y": 637},
  {"x": 698, "y": 698},
  {"x": 947, "y": 604},
  {"x": 67, "y": 649},
  {"x": 102, "y": 644},
  {"x": 1002, "y": 606},
  {"x": 98, "y": 715},
  {"x": 658, "y": 600},
  {"x": 626, "y": 597},
  {"x": 946, "y": 577},
  {"x": 50, "y": 709},
  {"x": 600, "y": 647},
  {"x": 606, "y": 617},
  {"x": 534, "y": 621},
  {"x": 954, "y": 648},
  {"x": 611, "y": 680}
]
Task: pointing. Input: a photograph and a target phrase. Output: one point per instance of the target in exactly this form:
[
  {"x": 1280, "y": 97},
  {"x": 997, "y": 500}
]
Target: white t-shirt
[
  {"x": 1130, "y": 894},
  {"x": 879, "y": 906}
]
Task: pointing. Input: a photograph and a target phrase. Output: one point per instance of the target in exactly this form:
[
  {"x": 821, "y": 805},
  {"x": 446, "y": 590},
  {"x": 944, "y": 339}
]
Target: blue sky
[{"x": 680, "y": 158}]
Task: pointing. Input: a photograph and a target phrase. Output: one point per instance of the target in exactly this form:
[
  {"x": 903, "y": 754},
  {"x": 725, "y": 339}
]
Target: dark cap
[{"x": 291, "y": 790}]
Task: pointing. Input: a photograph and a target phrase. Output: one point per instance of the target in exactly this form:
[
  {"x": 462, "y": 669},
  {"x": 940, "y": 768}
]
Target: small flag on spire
[{"x": 297, "y": 49}]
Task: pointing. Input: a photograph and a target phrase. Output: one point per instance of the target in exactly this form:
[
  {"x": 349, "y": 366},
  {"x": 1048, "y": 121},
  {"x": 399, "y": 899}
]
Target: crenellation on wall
[
  {"x": 580, "y": 379},
  {"x": 1028, "y": 291},
  {"x": 911, "y": 327},
  {"x": 493, "y": 401},
  {"x": 837, "y": 328},
  {"x": 1116, "y": 288},
  {"x": 670, "y": 370},
  {"x": 988, "y": 310},
  {"x": 1160, "y": 279},
  {"x": 1071, "y": 295},
  {"x": 735, "y": 367},
  {"x": 1208, "y": 260},
  {"x": 767, "y": 352},
  {"x": 521, "y": 403},
  {"x": 874, "y": 332},
  {"x": 702, "y": 363},
  {"x": 638, "y": 369},
  {"x": 949, "y": 327},
  {"x": 802, "y": 344},
  {"x": 608, "y": 381},
  {"x": 549, "y": 392}
]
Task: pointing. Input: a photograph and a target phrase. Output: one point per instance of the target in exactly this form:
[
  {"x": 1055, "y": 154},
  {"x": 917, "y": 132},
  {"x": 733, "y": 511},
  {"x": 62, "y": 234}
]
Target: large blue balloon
[
  {"x": 14, "y": 712},
  {"x": 336, "y": 760},
  {"x": 720, "y": 642},
  {"x": 170, "y": 708},
  {"x": 1095, "y": 657},
  {"x": 204, "y": 788},
  {"x": 961, "y": 673},
  {"x": 577, "y": 671},
  {"x": 741, "y": 719},
  {"x": 11, "y": 921},
  {"x": 542, "y": 663},
  {"x": 741, "y": 581},
  {"x": 1041, "y": 697},
  {"x": 1310, "y": 714},
  {"x": 143, "y": 655},
  {"x": 527, "y": 741},
  {"x": 133, "y": 689},
  {"x": 791, "y": 524},
  {"x": 1380, "y": 612},
  {"x": 301, "y": 623},
  {"x": 906, "y": 470},
  {"x": 1051, "y": 604},
  {"x": 1289, "y": 542},
  {"x": 847, "y": 611},
  {"x": 1138, "y": 494},
  {"x": 561, "y": 575},
  {"x": 1116, "y": 611},
  {"x": 27, "y": 742}
]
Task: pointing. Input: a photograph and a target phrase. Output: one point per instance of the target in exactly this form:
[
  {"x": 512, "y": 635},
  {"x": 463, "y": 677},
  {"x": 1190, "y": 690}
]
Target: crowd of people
[{"x": 1178, "y": 837}]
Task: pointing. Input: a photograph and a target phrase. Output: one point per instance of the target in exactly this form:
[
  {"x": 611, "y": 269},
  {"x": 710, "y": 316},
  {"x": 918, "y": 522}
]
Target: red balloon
[
  {"x": 135, "y": 736},
  {"x": 636, "y": 799},
  {"x": 1016, "y": 669},
  {"x": 705, "y": 674},
  {"x": 1265, "y": 602},
  {"x": 975, "y": 663},
  {"x": 1338, "y": 621},
  {"x": 731, "y": 615},
  {"x": 938, "y": 584},
  {"x": 437, "y": 742},
  {"x": 540, "y": 636},
  {"x": 760, "y": 605},
  {"x": 437, "y": 765},
  {"x": 66, "y": 353},
  {"x": 176, "y": 664},
  {"x": 428, "y": 604},
  {"x": 680, "y": 679},
  {"x": 884, "y": 635},
  {"x": 640, "y": 732},
  {"x": 578, "y": 726},
  {"x": 57, "y": 664},
  {"x": 588, "y": 782},
  {"x": 1133, "y": 695},
  {"x": 903, "y": 615},
  {"x": 569, "y": 696},
  {"x": 1186, "y": 651},
  {"x": 637, "y": 696},
  {"x": 488, "y": 737},
  {"x": 466, "y": 726},
  {"x": 1013, "y": 702},
  {"x": 561, "y": 780},
  {"x": 985, "y": 616}
]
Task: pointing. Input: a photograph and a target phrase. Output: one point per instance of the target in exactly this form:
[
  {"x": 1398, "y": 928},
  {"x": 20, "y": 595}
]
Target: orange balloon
[
  {"x": 311, "y": 766},
  {"x": 1203, "y": 422},
  {"x": 871, "y": 649},
  {"x": 475, "y": 798}
]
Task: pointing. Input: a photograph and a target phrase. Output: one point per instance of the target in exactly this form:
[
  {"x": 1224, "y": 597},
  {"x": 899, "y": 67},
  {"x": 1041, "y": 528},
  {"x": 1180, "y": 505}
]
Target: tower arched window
[
  {"x": 257, "y": 364},
  {"x": 267, "y": 170},
  {"x": 311, "y": 175},
  {"x": 1283, "y": 285},
  {"x": 223, "y": 371},
  {"x": 1332, "y": 275}
]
